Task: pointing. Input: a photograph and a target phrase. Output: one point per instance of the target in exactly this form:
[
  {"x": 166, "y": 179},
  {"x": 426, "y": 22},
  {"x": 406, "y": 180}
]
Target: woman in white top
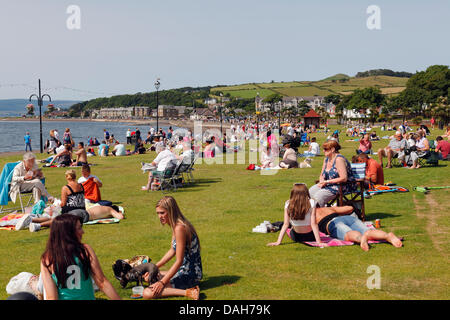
[
  {"x": 300, "y": 213},
  {"x": 412, "y": 149}
]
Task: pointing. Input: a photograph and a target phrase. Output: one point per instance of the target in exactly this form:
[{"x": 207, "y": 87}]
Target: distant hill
[
  {"x": 188, "y": 96},
  {"x": 337, "y": 84},
  {"x": 338, "y": 76},
  {"x": 16, "y": 107}
]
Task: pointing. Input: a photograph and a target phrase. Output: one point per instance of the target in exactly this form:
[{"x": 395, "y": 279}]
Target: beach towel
[
  {"x": 9, "y": 221},
  {"x": 379, "y": 188},
  {"x": 5, "y": 180},
  {"x": 332, "y": 242},
  {"x": 103, "y": 221}
]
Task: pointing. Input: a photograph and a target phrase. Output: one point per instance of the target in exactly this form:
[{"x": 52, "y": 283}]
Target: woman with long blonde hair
[{"x": 184, "y": 275}]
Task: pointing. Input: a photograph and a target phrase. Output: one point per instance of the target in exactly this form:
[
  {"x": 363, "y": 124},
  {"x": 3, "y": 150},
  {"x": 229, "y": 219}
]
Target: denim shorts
[{"x": 339, "y": 226}]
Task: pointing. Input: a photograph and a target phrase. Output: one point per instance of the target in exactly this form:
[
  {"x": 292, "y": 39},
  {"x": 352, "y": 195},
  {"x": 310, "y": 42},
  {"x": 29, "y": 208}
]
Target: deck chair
[
  {"x": 168, "y": 179},
  {"x": 431, "y": 157},
  {"x": 5, "y": 187},
  {"x": 25, "y": 198},
  {"x": 187, "y": 173},
  {"x": 355, "y": 198}
]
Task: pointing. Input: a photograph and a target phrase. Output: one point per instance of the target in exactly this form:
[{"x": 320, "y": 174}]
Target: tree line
[{"x": 383, "y": 72}]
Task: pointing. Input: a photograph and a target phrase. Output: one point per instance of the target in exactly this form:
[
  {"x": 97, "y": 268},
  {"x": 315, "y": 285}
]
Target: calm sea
[{"x": 12, "y": 132}]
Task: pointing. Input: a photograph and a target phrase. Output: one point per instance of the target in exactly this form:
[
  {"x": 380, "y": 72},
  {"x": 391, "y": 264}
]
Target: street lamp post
[
  {"x": 279, "y": 118},
  {"x": 39, "y": 99},
  {"x": 157, "y": 84},
  {"x": 220, "y": 109}
]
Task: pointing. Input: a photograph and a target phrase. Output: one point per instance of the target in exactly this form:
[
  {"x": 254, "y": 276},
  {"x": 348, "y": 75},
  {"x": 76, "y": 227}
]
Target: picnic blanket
[
  {"x": 379, "y": 188},
  {"x": 332, "y": 242},
  {"x": 103, "y": 221},
  {"x": 9, "y": 221}
]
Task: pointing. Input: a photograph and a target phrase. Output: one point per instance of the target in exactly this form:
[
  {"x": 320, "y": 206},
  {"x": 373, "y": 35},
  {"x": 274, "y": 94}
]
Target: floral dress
[
  {"x": 190, "y": 272},
  {"x": 348, "y": 187}
]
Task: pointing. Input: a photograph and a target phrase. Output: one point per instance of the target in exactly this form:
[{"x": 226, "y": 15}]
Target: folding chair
[
  {"x": 169, "y": 176},
  {"x": 189, "y": 177},
  {"x": 356, "y": 197},
  {"x": 429, "y": 158},
  {"x": 5, "y": 188}
]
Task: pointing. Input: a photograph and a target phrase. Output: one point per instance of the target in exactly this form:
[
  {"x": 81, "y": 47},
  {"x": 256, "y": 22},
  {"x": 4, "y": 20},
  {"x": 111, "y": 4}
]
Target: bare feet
[
  {"x": 396, "y": 242},
  {"x": 364, "y": 243}
]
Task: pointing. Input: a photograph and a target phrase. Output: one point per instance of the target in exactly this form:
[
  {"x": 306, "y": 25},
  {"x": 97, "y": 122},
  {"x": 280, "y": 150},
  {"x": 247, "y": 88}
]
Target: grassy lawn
[{"x": 227, "y": 201}]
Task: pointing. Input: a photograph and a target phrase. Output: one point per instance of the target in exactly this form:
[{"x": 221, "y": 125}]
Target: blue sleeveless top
[{"x": 348, "y": 187}]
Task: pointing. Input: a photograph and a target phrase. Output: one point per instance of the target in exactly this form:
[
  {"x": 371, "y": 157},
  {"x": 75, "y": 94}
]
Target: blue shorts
[{"x": 339, "y": 226}]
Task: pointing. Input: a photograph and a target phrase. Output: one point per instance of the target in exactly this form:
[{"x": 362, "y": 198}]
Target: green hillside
[{"x": 337, "y": 84}]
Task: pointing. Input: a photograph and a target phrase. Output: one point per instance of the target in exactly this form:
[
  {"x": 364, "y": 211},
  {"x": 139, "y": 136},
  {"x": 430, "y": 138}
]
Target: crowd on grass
[{"x": 306, "y": 212}]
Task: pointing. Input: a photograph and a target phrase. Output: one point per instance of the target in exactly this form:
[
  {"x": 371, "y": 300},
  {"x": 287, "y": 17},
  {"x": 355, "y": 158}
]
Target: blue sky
[{"x": 123, "y": 46}]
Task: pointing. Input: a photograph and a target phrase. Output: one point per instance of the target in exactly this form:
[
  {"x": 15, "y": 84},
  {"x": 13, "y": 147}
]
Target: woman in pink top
[{"x": 364, "y": 145}]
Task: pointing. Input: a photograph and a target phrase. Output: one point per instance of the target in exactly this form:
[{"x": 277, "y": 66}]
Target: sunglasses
[
  {"x": 299, "y": 184},
  {"x": 326, "y": 149}
]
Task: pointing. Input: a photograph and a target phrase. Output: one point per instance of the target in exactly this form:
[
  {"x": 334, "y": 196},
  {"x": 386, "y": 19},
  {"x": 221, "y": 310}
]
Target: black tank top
[
  {"x": 75, "y": 200},
  {"x": 323, "y": 223}
]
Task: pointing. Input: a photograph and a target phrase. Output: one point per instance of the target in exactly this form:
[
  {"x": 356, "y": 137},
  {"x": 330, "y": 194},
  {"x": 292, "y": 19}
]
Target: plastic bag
[
  {"x": 54, "y": 210},
  {"x": 19, "y": 283}
]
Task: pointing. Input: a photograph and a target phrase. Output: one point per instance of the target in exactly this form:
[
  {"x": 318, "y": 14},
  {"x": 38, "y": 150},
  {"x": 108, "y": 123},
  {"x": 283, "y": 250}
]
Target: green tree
[
  {"x": 367, "y": 99},
  {"x": 333, "y": 98},
  {"x": 303, "y": 108},
  {"x": 441, "y": 111}
]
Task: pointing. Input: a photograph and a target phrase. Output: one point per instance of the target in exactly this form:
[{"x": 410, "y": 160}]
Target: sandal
[{"x": 193, "y": 293}]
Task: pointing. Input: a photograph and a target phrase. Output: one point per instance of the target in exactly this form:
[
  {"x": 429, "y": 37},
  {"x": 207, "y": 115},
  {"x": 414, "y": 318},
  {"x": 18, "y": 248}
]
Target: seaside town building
[
  {"x": 121, "y": 113},
  {"x": 141, "y": 112},
  {"x": 313, "y": 102}
]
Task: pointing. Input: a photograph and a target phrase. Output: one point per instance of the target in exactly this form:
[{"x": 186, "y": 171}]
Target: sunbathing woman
[
  {"x": 338, "y": 223},
  {"x": 184, "y": 275}
]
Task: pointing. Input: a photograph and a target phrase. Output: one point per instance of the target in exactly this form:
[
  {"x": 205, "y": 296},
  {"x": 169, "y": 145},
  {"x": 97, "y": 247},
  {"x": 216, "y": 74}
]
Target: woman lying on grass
[
  {"x": 334, "y": 221},
  {"x": 68, "y": 266},
  {"x": 183, "y": 277},
  {"x": 73, "y": 203}
]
